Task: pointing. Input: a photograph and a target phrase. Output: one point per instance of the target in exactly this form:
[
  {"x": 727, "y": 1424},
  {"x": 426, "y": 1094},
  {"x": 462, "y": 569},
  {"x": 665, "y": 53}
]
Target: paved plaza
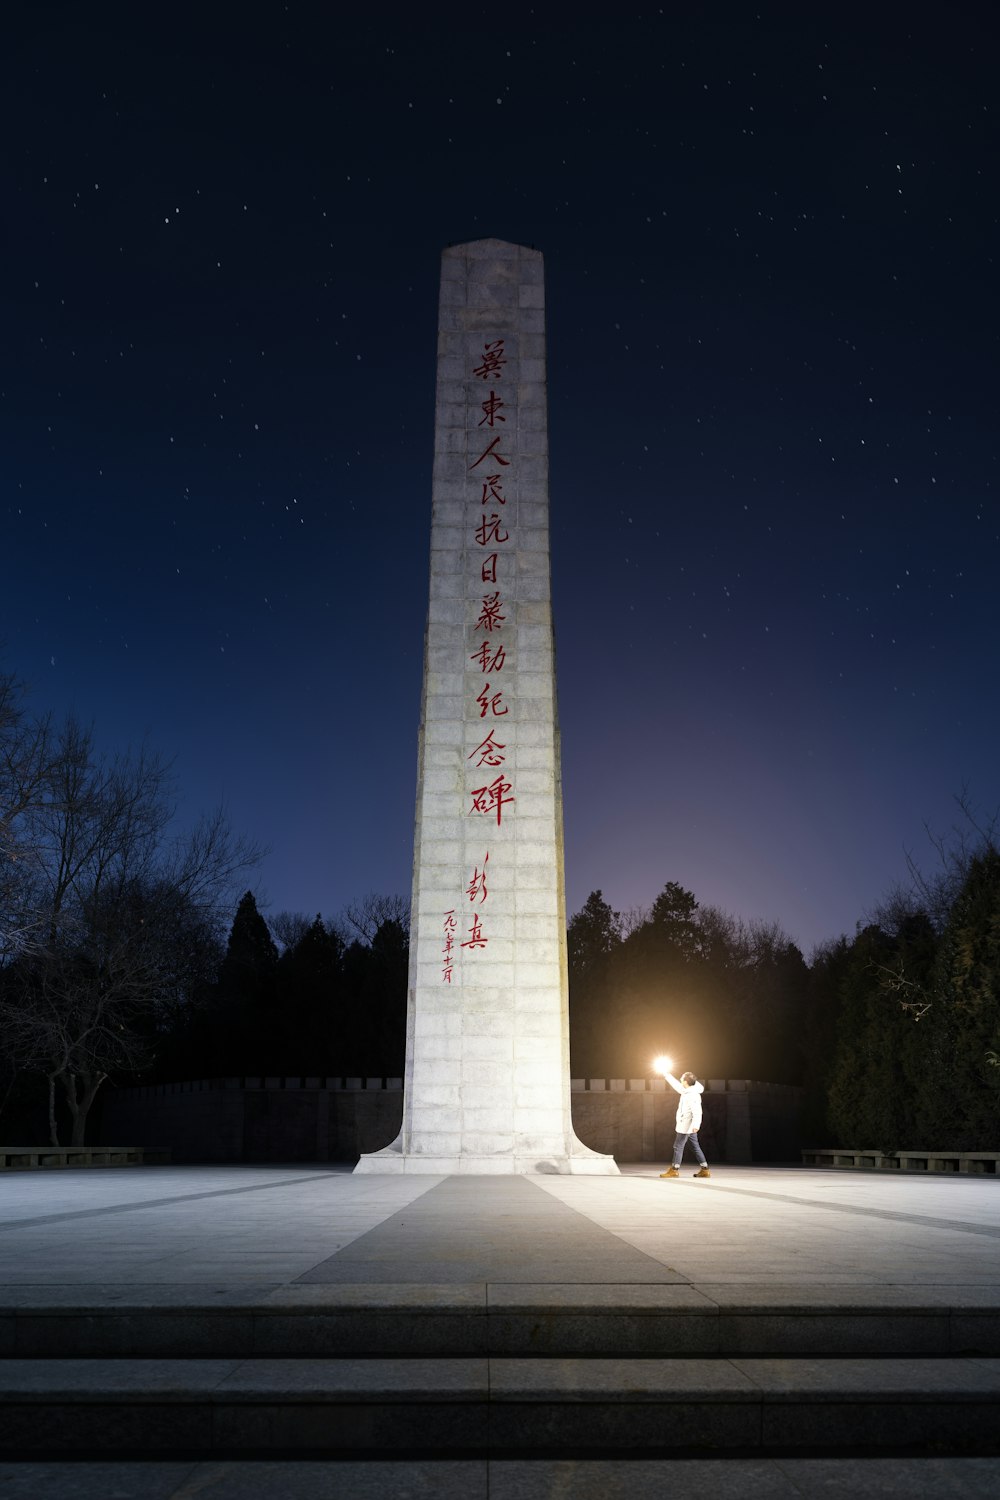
[
  {"x": 264, "y": 1229},
  {"x": 209, "y": 1287}
]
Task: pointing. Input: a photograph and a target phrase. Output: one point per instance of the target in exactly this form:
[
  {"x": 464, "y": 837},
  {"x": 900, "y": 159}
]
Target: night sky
[{"x": 770, "y": 244}]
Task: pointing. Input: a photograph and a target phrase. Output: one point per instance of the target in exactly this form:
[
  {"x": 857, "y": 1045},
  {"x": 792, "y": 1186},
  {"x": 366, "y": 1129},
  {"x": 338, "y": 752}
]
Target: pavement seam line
[
  {"x": 867, "y": 1212},
  {"x": 128, "y": 1208}
]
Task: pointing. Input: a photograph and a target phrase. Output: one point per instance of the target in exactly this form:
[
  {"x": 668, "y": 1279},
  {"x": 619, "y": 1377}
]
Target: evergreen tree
[
  {"x": 372, "y": 1037},
  {"x": 248, "y": 1035},
  {"x": 251, "y": 956},
  {"x": 879, "y": 1081},
  {"x": 673, "y": 921},
  {"x": 857, "y": 1081},
  {"x": 593, "y": 937},
  {"x": 309, "y": 982},
  {"x": 965, "y": 1014},
  {"x": 390, "y": 961},
  {"x": 664, "y": 998},
  {"x": 593, "y": 934},
  {"x": 818, "y": 1037},
  {"x": 770, "y": 994}
]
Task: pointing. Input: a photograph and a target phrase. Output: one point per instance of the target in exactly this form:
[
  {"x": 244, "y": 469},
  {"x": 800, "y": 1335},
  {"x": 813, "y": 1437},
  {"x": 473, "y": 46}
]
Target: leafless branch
[{"x": 366, "y": 916}]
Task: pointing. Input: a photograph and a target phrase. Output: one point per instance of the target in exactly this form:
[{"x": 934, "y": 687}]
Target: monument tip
[{"x": 489, "y": 245}]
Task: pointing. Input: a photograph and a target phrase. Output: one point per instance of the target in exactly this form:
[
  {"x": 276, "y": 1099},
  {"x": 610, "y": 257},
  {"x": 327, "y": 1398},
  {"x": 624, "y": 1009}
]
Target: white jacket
[{"x": 688, "y": 1105}]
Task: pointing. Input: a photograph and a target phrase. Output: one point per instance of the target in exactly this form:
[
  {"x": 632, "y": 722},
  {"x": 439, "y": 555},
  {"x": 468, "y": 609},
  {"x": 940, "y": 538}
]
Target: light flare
[{"x": 663, "y": 1065}]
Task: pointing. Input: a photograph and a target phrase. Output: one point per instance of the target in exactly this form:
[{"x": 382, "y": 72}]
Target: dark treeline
[
  {"x": 722, "y": 996},
  {"x": 894, "y": 1034},
  {"x": 315, "y": 1002},
  {"x": 121, "y": 961},
  {"x": 911, "y": 1011}
]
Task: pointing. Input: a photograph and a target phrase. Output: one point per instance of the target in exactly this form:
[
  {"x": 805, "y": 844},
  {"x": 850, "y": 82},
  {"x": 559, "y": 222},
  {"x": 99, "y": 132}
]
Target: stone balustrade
[
  {"x": 967, "y": 1162},
  {"x": 23, "y": 1158}
]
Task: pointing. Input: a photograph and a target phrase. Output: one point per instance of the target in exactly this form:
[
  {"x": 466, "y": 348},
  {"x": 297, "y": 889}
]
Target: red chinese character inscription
[
  {"x": 488, "y": 453},
  {"x": 489, "y": 752},
  {"x": 493, "y": 360},
  {"x": 477, "y": 885},
  {"x": 490, "y": 658},
  {"x": 475, "y": 938},
  {"x": 490, "y": 617},
  {"x": 488, "y": 704},
  {"x": 450, "y": 927},
  {"x": 492, "y": 798},
  {"x": 489, "y": 531},
  {"x": 491, "y": 410}
]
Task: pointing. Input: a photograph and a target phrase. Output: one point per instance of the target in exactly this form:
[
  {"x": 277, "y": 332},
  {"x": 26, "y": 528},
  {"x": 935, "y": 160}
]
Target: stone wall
[{"x": 336, "y": 1119}]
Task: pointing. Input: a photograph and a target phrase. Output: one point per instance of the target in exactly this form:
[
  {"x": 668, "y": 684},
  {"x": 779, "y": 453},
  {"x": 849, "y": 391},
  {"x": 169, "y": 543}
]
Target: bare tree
[
  {"x": 926, "y": 903},
  {"x": 26, "y": 750},
  {"x": 366, "y": 916},
  {"x": 934, "y": 891},
  {"x": 122, "y": 916},
  {"x": 288, "y": 928},
  {"x": 740, "y": 942},
  {"x": 632, "y": 919}
]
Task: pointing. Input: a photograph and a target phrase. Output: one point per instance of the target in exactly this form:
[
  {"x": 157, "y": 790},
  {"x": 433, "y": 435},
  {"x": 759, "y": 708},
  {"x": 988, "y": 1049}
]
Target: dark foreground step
[
  {"x": 896, "y": 1478},
  {"x": 456, "y": 1407},
  {"x": 509, "y": 1320}
]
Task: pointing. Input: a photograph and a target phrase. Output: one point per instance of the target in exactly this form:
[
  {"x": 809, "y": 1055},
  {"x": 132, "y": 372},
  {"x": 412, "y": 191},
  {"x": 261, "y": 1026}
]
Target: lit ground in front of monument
[
  {"x": 271, "y": 1227},
  {"x": 191, "y": 1285}
]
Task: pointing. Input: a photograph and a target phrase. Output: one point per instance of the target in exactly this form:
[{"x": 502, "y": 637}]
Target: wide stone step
[
  {"x": 474, "y": 1406},
  {"x": 505, "y": 1320},
  {"x": 754, "y": 1478}
]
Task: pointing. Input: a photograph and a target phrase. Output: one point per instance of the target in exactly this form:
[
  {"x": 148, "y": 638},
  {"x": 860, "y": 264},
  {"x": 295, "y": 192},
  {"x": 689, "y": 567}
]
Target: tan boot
[
  {"x": 671, "y": 1172},
  {"x": 703, "y": 1172}
]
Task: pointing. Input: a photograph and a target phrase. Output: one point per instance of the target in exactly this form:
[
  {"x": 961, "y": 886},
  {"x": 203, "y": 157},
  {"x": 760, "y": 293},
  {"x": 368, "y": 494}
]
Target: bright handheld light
[{"x": 663, "y": 1065}]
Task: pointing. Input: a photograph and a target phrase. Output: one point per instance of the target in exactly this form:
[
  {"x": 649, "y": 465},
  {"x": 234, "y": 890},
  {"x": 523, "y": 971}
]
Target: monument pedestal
[
  {"x": 394, "y": 1160},
  {"x": 486, "y": 1082}
]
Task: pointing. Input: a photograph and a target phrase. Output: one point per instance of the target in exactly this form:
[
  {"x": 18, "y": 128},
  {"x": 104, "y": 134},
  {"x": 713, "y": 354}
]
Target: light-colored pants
[{"x": 680, "y": 1141}]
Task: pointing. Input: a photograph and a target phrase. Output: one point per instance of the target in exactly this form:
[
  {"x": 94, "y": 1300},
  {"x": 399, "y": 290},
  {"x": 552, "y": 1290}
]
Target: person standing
[{"x": 688, "y": 1123}]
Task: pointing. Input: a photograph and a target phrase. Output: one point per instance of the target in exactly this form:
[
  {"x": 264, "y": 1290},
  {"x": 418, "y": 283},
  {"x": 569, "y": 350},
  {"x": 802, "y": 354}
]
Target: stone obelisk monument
[{"x": 486, "y": 1087}]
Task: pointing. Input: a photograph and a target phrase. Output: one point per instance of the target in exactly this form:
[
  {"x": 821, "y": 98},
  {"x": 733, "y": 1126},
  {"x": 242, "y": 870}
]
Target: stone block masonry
[
  {"x": 486, "y": 1086},
  {"x": 338, "y": 1119}
]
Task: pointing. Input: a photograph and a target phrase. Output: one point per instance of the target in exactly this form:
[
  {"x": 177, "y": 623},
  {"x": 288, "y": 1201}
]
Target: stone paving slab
[
  {"x": 755, "y": 1225},
  {"x": 745, "y": 1479},
  {"x": 499, "y": 1380},
  {"x": 614, "y": 1300},
  {"x": 244, "y": 1233},
  {"x": 456, "y": 1479},
  {"x": 198, "y": 1380},
  {"x": 489, "y": 1229},
  {"x": 224, "y": 1227},
  {"x": 897, "y": 1478}
]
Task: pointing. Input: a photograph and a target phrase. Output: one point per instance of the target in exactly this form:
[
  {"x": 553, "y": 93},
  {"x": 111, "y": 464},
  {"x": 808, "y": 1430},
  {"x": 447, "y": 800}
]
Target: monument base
[{"x": 392, "y": 1160}]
